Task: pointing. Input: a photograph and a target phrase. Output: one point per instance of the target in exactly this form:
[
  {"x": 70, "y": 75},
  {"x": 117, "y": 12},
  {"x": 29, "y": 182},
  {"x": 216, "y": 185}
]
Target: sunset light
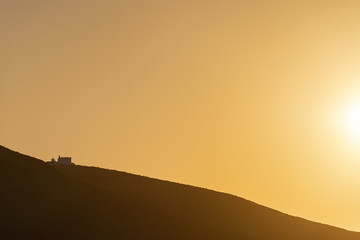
[
  {"x": 258, "y": 99},
  {"x": 353, "y": 120}
]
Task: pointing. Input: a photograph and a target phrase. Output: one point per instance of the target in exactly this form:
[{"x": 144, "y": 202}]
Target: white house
[{"x": 62, "y": 160}]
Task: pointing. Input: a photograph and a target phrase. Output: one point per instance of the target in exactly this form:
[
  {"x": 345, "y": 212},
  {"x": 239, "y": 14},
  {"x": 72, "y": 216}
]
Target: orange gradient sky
[{"x": 246, "y": 97}]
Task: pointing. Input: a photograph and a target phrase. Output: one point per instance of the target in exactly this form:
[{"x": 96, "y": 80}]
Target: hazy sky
[{"x": 246, "y": 97}]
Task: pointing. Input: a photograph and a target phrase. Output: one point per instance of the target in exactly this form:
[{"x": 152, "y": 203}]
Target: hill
[{"x": 39, "y": 201}]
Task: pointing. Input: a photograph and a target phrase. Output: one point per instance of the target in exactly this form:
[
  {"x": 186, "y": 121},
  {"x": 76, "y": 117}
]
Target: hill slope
[{"x": 39, "y": 201}]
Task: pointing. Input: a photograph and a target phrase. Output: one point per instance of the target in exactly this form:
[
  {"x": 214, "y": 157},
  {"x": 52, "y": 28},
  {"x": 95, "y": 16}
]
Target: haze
[{"x": 245, "y": 97}]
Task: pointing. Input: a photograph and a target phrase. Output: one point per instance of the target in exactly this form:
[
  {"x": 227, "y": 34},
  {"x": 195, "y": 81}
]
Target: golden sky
[{"x": 247, "y": 97}]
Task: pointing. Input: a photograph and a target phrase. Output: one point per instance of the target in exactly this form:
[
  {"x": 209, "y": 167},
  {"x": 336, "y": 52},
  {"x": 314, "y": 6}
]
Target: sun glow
[{"x": 353, "y": 120}]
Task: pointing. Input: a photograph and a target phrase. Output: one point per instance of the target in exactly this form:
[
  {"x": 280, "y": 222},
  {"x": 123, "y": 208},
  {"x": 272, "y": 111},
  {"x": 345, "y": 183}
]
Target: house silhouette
[{"x": 62, "y": 160}]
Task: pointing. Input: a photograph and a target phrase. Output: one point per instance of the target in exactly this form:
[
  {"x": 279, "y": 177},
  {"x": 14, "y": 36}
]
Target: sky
[{"x": 260, "y": 99}]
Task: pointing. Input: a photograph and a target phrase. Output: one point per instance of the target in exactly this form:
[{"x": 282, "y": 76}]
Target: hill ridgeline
[{"x": 43, "y": 201}]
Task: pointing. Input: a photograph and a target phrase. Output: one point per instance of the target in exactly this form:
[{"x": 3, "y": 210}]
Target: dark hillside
[
  {"x": 226, "y": 211},
  {"x": 39, "y": 201}
]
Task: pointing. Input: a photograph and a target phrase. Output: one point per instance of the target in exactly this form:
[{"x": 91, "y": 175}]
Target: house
[
  {"x": 64, "y": 160},
  {"x": 61, "y": 160}
]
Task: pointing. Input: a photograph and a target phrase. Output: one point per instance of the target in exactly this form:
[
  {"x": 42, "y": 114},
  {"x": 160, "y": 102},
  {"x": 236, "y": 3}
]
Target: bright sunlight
[{"x": 353, "y": 120}]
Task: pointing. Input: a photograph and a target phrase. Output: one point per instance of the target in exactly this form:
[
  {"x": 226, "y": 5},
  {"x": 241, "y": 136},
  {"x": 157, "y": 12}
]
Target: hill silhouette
[{"x": 40, "y": 201}]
